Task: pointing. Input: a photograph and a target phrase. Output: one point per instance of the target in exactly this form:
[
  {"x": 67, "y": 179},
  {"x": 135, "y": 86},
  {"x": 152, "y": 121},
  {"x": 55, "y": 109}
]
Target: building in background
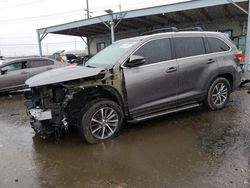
[{"x": 211, "y": 15}]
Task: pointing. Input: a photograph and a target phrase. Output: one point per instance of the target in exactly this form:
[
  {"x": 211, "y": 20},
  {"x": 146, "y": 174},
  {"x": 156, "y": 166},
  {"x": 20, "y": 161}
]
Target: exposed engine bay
[{"x": 52, "y": 108}]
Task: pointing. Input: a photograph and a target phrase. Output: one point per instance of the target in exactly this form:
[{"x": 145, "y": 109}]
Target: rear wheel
[
  {"x": 100, "y": 120},
  {"x": 218, "y": 94}
]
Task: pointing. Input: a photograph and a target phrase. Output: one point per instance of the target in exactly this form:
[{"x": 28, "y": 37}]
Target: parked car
[
  {"x": 1, "y": 60},
  {"x": 77, "y": 60},
  {"x": 134, "y": 80},
  {"x": 15, "y": 72}
]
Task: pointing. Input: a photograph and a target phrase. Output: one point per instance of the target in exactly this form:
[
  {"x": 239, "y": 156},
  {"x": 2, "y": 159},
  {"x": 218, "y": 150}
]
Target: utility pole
[
  {"x": 120, "y": 6},
  {"x": 88, "y": 45},
  {"x": 87, "y": 3}
]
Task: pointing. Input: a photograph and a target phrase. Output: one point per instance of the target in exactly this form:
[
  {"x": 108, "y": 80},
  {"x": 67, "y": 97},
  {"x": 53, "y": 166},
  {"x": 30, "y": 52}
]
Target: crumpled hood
[{"x": 62, "y": 75}]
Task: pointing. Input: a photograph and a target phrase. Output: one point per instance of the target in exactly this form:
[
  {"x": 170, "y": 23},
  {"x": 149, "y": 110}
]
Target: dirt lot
[{"x": 189, "y": 149}]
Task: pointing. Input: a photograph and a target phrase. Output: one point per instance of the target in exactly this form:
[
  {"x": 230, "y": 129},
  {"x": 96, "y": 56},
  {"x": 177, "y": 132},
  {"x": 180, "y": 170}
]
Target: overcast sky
[{"x": 19, "y": 20}]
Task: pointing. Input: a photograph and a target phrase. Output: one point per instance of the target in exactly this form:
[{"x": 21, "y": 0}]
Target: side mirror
[{"x": 135, "y": 61}]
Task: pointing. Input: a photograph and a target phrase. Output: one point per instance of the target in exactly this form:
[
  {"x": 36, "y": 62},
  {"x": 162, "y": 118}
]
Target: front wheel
[
  {"x": 218, "y": 94},
  {"x": 101, "y": 119}
]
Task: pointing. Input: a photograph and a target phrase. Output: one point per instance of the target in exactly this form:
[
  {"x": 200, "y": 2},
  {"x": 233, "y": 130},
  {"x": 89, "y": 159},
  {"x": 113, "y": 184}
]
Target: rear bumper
[{"x": 237, "y": 78}]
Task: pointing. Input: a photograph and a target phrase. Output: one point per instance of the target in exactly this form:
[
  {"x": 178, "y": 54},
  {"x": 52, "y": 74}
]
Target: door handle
[
  {"x": 210, "y": 61},
  {"x": 49, "y": 68},
  {"x": 171, "y": 69}
]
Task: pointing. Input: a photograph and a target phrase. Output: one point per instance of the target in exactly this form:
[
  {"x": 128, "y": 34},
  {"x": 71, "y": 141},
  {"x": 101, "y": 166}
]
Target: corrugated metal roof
[{"x": 195, "y": 12}]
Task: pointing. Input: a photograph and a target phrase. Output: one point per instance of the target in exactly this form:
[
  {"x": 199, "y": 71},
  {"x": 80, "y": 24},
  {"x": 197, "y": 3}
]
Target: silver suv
[{"x": 134, "y": 80}]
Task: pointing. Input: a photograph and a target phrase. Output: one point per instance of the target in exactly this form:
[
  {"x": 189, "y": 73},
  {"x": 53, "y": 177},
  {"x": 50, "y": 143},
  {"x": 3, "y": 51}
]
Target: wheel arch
[
  {"x": 86, "y": 95},
  {"x": 226, "y": 75}
]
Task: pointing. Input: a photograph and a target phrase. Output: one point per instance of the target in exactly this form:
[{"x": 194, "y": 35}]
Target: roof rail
[
  {"x": 191, "y": 29},
  {"x": 162, "y": 30}
]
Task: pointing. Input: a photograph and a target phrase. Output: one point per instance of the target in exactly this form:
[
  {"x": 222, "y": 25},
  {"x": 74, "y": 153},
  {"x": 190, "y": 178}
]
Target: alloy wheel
[
  {"x": 220, "y": 94},
  {"x": 104, "y": 123}
]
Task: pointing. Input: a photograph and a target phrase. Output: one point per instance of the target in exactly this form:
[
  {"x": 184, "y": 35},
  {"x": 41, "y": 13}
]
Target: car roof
[
  {"x": 174, "y": 33},
  {"x": 9, "y": 61}
]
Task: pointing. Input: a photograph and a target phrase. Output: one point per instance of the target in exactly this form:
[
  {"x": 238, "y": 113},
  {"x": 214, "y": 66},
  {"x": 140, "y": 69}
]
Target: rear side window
[
  {"x": 189, "y": 46},
  {"x": 216, "y": 45},
  {"x": 37, "y": 63},
  {"x": 156, "y": 51},
  {"x": 49, "y": 62}
]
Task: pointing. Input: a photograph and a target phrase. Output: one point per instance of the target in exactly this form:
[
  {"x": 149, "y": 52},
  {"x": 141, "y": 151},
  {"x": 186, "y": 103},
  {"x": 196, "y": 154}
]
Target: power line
[
  {"x": 70, "y": 13},
  {"x": 73, "y": 12},
  {"x": 23, "y": 4}
]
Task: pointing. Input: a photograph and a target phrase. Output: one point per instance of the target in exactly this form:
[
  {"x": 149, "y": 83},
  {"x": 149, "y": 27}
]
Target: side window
[
  {"x": 189, "y": 46},
  {"x": 13, "y": 67},
  {"x": 100, "y": 46},
  {"x": 36, "y": 63},
  {"x": 49, "y": 62},
  {"x": 216, "y": 45},
  {"x": 155, "y": 51}
]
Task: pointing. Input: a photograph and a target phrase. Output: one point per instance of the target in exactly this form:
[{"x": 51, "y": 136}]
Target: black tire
[
  {"x": 218, "y": 94},
  {"x": 90, "y": 123}
]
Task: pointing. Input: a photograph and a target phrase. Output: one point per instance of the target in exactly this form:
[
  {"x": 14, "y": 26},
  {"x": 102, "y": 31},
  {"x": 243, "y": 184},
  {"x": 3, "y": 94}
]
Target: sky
[{"x": 19, "y": 20}]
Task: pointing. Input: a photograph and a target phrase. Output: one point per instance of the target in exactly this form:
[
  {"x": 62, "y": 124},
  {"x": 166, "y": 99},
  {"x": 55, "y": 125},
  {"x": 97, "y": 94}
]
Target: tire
[
  {"x": 218, "y": 94},
  {"x": 100, "y": 120}
]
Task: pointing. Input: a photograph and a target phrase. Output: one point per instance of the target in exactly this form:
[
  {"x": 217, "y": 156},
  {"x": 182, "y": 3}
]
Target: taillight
[{"x": 240, "y": 56}]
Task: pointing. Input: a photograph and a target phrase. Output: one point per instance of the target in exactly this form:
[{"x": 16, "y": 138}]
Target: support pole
[
  {"x": 39, "y": 44},
  {"x": 246, "y": 64},
  {"x": 112, "y": 28},
  {"x": 238, "y": 6},
  {"x": 88, "y": 45}
]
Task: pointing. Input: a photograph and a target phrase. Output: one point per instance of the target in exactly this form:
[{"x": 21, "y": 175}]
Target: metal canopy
[
  {"x": 194, "y": 12},
  {"x": 197, "y": 12}
]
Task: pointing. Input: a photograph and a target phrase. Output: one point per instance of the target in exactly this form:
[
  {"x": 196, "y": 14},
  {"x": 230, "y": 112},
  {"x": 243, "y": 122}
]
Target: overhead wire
[
  {"x": 20, "y": 5},
  {"x": 69, "y": 13},
  {"x": 56, "y": 15}
]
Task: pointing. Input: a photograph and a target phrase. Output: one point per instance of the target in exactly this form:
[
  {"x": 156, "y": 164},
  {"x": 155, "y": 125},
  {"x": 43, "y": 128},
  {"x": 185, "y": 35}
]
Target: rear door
[
  {"x": 195, "y": 65},
  {"x": 36, "y": 66},
  {"x": 13, "y": 75},
  {"x": 153, "y": 86}
]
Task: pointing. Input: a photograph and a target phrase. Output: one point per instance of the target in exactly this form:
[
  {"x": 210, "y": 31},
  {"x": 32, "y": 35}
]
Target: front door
[
  {"x": 152, "y": 86},
  {"x": 13, "y": 76}
]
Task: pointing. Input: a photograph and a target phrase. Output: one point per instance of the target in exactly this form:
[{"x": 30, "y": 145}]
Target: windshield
[{"x": 110, "y": 55}]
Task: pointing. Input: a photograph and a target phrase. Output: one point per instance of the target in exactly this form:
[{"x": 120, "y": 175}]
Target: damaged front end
[
  {"x": 52, "y": 107},
  {"x": 45, "y": 106}
]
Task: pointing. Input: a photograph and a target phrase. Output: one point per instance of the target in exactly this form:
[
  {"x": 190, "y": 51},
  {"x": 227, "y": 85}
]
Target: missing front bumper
[
  {"x": 42, "y": 128},
  {"x": 40, "y": 115}
]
